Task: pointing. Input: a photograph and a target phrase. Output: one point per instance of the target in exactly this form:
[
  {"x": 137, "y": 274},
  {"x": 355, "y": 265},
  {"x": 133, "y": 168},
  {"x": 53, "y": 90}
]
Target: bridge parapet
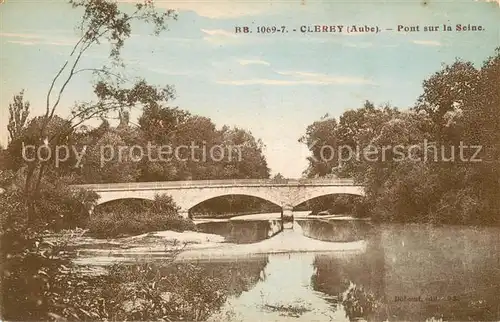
[{"x": 215, "y": 183}]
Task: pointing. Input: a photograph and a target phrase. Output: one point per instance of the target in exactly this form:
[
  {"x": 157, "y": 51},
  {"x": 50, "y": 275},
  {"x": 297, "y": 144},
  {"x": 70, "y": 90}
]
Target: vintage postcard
[{"x": 253, "y": 160}]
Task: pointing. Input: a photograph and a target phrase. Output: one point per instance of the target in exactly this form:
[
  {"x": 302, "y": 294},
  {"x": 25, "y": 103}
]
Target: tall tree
[
  {"x": 160, "y": 123},
  {"x": 459, "y": 105},
  {"x": 19, "y": 111},
  {"x": 247, "y": 159},
  {"x": 334, "y": 145},
  {"x": 445, "y": 93},
  {"x": 102, "y": 21}
]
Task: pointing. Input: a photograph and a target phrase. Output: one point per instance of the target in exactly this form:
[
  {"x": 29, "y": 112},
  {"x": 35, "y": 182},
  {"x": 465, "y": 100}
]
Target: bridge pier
[{"x": 287, "y": 217}]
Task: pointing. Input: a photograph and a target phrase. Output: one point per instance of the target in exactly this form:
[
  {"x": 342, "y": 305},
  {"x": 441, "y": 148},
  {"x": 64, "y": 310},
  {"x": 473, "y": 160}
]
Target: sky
[{"x": 273, "y": 85}]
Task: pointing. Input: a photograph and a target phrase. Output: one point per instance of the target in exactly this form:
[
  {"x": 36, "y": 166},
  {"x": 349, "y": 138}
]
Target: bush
[
  {"x": 60, "y": 207},
  {"x": 133, "y": 217},
  {"x": 147, "y": 292},
  {"x": 109, "y": 225},
  {"x": 32, "y": 270}
]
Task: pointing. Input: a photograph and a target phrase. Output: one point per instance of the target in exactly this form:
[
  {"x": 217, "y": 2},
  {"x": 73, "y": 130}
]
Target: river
[{"x": 335, "y": 269}]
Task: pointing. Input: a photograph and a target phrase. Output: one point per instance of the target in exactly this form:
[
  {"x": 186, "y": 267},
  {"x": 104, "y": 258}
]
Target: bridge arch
[
  {"x": 106, "y": 198},
  {"x": 124, "y": 199},
  {"x": 188, "y": 200},
  {"x": 235, "y": 194},
  {"x": 223, "y": 205}
]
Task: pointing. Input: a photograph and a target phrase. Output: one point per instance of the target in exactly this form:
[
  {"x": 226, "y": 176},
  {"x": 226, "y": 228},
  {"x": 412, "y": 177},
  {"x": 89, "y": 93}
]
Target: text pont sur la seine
[{"x": 269, "y": 29}]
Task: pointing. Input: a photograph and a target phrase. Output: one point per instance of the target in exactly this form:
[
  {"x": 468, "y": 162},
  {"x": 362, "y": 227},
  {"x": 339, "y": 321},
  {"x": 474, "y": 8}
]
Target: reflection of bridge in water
[{"x": 187, "y": 194}]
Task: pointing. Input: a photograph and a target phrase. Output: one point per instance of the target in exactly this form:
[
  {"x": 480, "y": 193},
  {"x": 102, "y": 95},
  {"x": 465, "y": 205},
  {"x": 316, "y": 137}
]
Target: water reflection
[
  {"x": 239, "y": 275},
  {"x": 241, "y": 231},
  {"x": 406, "y": 273},
  {"x": 284, "y": 294},
  {"x": 335, "y": 230},
  {"x": 354, "y": 283},
  {"x": 191, "y": 291},
  {"x": 410, "y": 272},
  {"x": 444, "y": 272}
]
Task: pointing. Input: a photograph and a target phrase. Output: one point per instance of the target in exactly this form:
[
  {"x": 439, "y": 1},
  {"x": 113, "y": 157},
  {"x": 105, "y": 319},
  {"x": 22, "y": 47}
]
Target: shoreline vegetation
[
  {"x": 459, "y": 103},
  {"x": 134, "y": 217}
]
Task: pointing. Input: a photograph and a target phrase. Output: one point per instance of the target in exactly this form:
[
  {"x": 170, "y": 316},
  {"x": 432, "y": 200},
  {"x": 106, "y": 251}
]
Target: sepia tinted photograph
[{"x": 250, "y": 160}]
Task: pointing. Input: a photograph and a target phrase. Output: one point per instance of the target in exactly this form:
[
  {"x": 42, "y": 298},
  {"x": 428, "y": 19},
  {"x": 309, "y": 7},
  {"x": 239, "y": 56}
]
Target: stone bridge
[{"x": 187, "y": 194}]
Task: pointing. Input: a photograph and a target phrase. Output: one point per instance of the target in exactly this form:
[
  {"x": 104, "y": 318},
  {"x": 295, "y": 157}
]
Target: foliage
[
  {"x": 62, "y": 208},
  {"x": 459, "y": 106},
  {"x": 111, "y": 225},
  {"x": 354, "y": 130},
  {"x": 102, "y": 20},
  {"x": 359, "y": 303},
  {"x": 19, "y": 111},
  {"x": 103, "y": 163},
  {"x": 165, "y": 291},
  {"x": 114, "y": 154},
  {"x": 30, "y": 136},
  {"x": 279, "y": 178},
  {"x": 133, "y": 217},
  {"x": 218, "y": 154},
  {"x": 31, "y": 272},
  {"x": 31, "y": 268},
  {"x": 335, "y": 204}
]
